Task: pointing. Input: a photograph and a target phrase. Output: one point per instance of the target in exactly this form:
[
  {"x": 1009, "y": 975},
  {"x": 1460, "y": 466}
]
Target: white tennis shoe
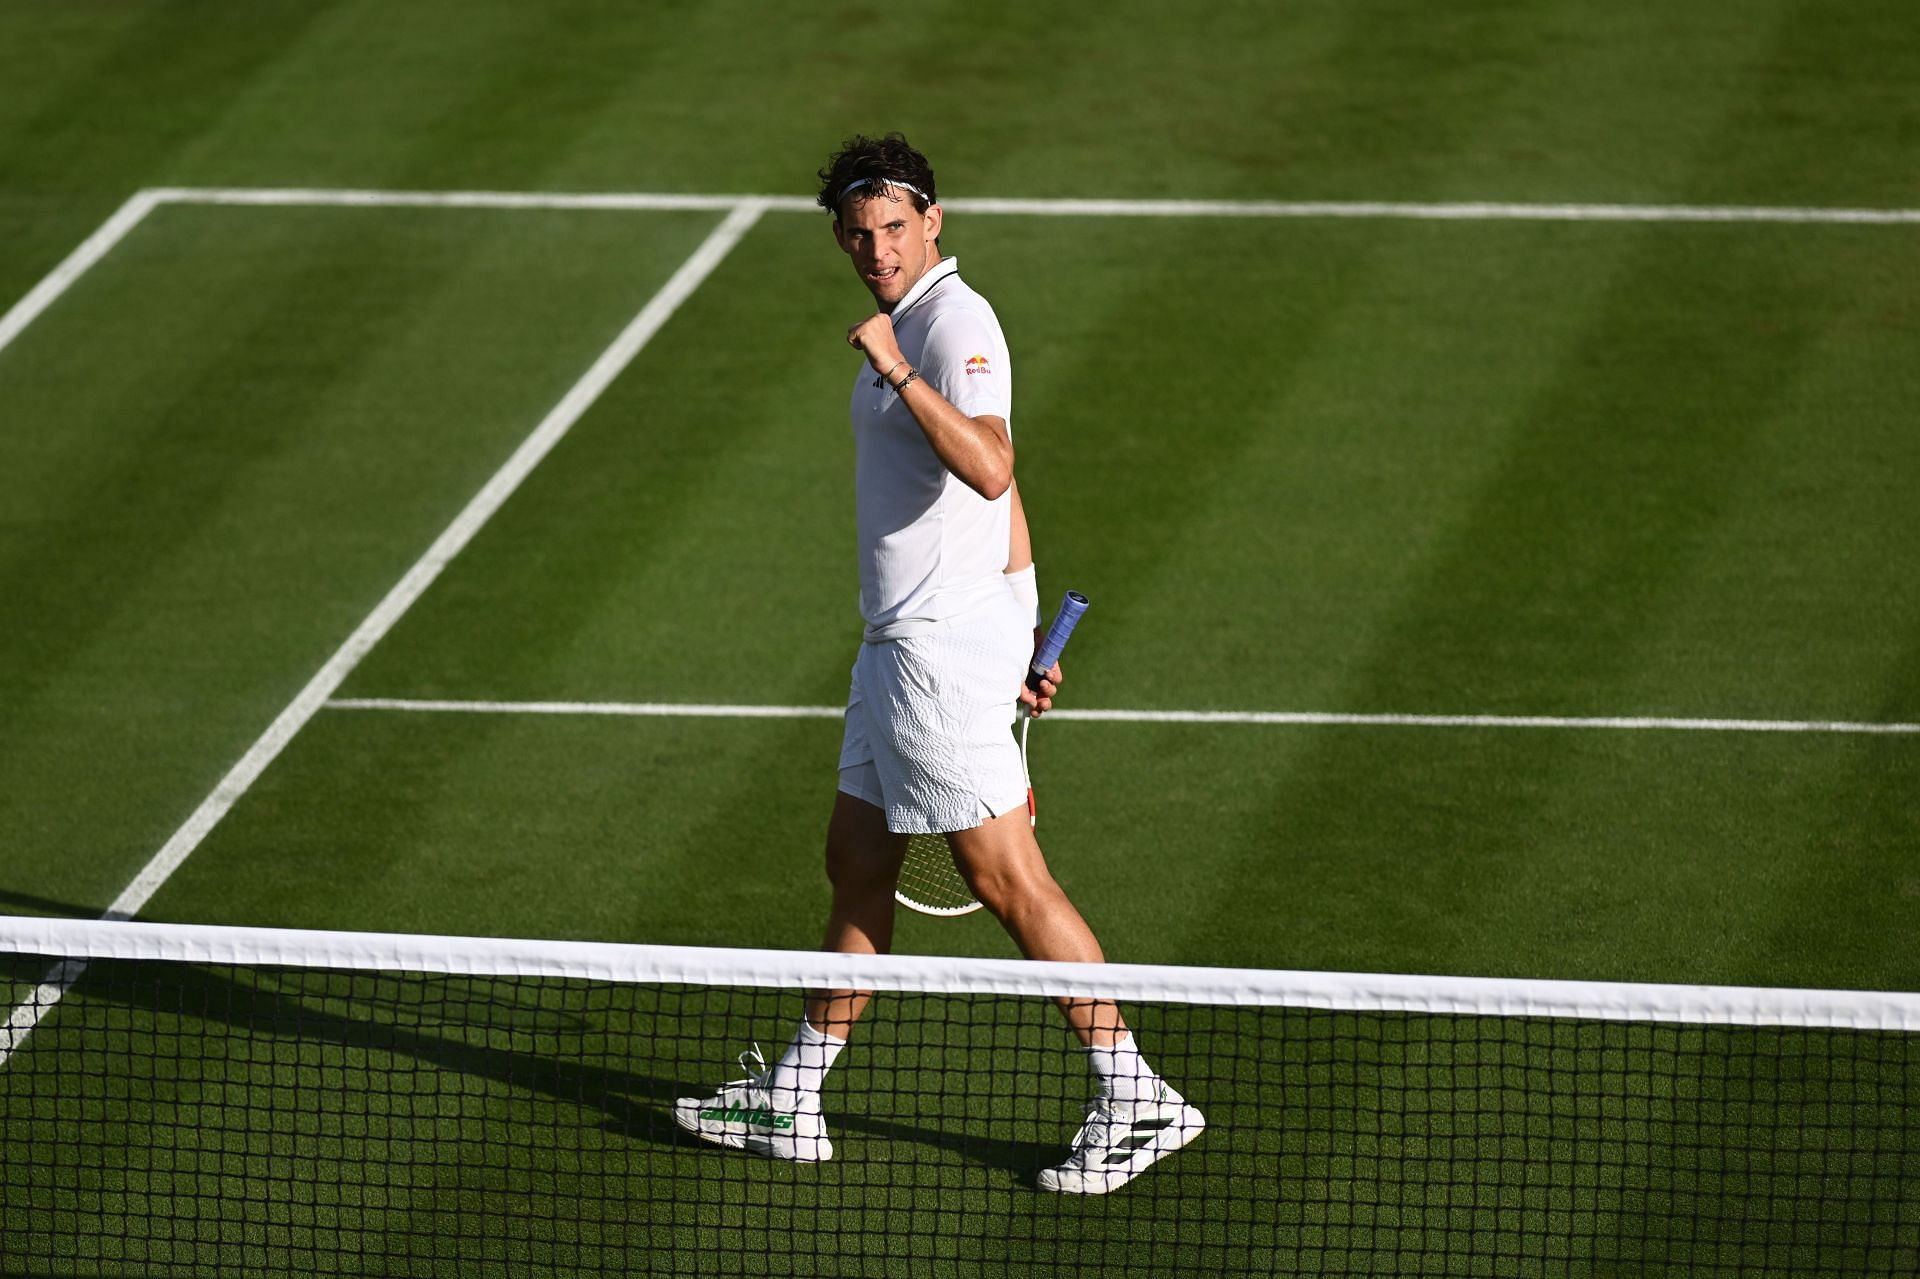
[
  {"x": 1122, "y": 1139},
  {"x": 743, "y": 1115}
]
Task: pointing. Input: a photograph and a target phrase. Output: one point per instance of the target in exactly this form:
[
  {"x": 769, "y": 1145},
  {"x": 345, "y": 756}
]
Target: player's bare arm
[
  {"x": 1019, "y": 560},
  {"x": 977, "y": 449}
]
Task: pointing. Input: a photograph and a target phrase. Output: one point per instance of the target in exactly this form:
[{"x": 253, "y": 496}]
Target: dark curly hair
[{"x": 882, "y": 162}]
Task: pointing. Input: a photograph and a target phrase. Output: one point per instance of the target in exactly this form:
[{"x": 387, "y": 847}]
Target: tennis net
[{"x": 211, "y": 1101}]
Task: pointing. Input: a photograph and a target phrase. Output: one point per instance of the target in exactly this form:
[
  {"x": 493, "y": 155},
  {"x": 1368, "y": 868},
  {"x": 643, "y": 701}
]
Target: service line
[{"x": 705, "y": 710}]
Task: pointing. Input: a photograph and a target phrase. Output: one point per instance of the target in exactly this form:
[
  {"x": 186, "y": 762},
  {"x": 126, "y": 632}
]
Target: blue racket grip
[{"x": 1057, "y": 636}]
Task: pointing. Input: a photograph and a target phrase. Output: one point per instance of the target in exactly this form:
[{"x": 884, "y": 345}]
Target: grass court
[{"x": 1486, "y": 464}]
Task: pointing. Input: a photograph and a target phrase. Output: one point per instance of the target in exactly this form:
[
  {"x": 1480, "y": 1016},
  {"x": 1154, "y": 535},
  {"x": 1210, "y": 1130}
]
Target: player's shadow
[
  {"x": 1023, "y": 1159},
  {"x": 304, "y": 1004},
  {"x": 12, "y": 899}
]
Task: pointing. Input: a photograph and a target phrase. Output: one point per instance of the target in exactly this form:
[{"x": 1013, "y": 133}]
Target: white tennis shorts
[{"x": 928, "y": 720}]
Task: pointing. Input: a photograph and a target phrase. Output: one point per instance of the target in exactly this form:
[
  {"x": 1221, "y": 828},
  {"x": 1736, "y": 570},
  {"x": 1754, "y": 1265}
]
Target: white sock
[
  {"x": 1124, "y": 1074},
  {"x": 796, "y": 1078}
]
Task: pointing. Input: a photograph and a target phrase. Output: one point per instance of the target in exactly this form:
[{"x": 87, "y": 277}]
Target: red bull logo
[{"x": 978, "y": 364}]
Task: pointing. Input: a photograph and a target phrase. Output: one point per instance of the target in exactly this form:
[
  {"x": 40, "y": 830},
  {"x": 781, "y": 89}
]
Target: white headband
[{"x": 880, "y": 184}]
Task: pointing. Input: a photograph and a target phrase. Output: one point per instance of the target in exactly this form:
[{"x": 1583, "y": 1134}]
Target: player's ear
[{"x": 933, "y": 222}]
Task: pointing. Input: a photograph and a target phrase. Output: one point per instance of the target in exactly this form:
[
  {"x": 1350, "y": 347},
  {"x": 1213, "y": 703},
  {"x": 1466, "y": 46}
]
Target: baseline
[{"x": 1053, "y": 207}]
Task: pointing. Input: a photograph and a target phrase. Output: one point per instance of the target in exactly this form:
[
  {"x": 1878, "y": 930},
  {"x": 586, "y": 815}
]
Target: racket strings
[{"x": 929, "y": 881}]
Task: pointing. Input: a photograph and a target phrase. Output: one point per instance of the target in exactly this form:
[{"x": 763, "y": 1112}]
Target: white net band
[{"x": 782, "y": 969}]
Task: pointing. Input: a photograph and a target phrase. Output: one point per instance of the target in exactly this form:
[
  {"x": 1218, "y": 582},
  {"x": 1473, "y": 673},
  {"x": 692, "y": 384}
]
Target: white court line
[
  {"x": 61, "y": 278},
  {"x": 315, "y": 197},
  {"x": 699, "y": 710},
  {"x": 1477, "y": 211},
  {"x": 552, "y": 429},
  {"x": 688, "y": 710},
  {"x": 1494, "y": 721}
]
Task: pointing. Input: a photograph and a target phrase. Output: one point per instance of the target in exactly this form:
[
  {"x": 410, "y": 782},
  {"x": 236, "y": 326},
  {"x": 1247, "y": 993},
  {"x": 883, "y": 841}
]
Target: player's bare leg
[
  {"x": 776, "y": 1109},
  {"x": 863, "y": 865},
  {"x": 1001, "y": 861},
  {"x": 1137, "y": 1118}
]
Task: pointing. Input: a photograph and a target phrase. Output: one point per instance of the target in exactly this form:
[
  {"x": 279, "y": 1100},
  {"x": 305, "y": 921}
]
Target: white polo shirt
[{"x": 931, "y": 548}]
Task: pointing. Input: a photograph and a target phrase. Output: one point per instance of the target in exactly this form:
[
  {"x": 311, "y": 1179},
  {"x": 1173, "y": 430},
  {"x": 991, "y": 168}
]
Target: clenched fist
[{"x": 874, "y": 335}]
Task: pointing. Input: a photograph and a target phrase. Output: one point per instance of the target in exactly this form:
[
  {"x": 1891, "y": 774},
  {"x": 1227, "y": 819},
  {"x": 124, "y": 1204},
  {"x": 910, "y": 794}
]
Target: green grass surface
[{"x": 1383, "y": 466}]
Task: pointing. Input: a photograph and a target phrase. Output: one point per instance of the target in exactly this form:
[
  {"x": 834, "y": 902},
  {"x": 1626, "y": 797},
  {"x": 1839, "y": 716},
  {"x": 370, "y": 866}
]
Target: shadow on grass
[
  {"x": 636, "y": 1104},
  {"x": 14, "y": 900}
]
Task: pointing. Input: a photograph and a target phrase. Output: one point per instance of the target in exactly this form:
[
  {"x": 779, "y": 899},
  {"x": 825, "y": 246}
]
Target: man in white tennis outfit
[{"x": 948, "y": 594}]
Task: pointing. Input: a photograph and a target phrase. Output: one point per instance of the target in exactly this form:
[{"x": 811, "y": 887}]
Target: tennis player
[{"x": 948, "y": 594}]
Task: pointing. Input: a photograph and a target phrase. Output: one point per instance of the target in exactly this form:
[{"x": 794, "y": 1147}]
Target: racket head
[{"x": 928, "y": 881}]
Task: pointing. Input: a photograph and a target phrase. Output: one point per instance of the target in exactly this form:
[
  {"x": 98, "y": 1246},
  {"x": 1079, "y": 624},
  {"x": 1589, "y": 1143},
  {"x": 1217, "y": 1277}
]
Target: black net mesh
[{"x": 196, "y": 1119}]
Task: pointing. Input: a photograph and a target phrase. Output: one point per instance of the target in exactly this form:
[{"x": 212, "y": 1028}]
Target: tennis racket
[{"x": 929, "y": 882}]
